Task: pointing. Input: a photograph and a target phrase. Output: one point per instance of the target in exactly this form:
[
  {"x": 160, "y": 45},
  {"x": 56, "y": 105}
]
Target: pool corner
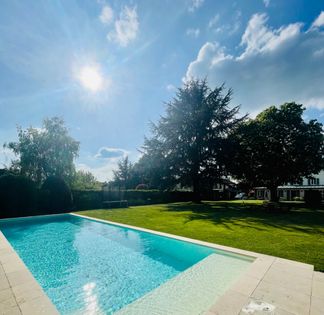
[{"x": 20, "y": 293}]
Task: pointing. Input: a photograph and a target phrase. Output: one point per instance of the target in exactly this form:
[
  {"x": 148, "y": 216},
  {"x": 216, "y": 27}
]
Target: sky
[{"x": 108, "y": 67}]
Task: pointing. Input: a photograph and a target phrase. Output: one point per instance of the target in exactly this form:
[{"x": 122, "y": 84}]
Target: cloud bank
[
  {"x": 103, "y": 163},
  {"x": 110, "y": 153},
  {"x": 275, "y": 66}
]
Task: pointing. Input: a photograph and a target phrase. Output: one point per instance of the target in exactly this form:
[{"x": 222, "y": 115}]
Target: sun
[{"x": 91, "y": 78}]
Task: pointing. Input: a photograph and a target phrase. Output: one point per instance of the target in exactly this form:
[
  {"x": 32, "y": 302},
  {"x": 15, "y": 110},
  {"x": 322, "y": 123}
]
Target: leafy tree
[
  {"x": 277, "y": 147},
  {"x": 188, "y": 143},
  {"x": 56, "y": 195},
  {"x": 83, "y": 180},
  {"x": 18, "y": 196},
  {"x": 44, "y": 152},
  {"x": 122, "y": 176}
]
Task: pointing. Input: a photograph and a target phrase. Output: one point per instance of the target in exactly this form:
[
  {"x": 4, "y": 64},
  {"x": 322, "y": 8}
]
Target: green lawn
[{"x": 297, "y": 234}]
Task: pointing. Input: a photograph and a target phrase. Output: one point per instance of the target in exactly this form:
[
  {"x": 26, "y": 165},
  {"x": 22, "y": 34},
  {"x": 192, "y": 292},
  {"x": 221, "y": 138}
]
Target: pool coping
[
  {"x": 20, "y": 293},
  {"x": 290, "y": 287}
]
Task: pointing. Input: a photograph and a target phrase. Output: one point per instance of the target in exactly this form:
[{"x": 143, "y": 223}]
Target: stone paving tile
[
  {"x": 318, "y": 289},
  {"x": 19, "y": 277},
  {"x": 8, "y": 302},
  {"x": 4, "y": 283},
  {"x": 293, "y": 264},
  {"x": 283, "y": 298},
  {"x": 259, "y": 267},
  {"x": 318, "y": 276},
  {"x": 5, "y": 294},
  {"x": 288, "y": 267},
  {"x": 245, "y": 285},
  {"x": 289, "y": 280},
  {"x": 41, "y": 305},
  {"x": 27, "y": 291},
  {"x": 317, "y": 306},
  {"x": 11, "y": 311}
]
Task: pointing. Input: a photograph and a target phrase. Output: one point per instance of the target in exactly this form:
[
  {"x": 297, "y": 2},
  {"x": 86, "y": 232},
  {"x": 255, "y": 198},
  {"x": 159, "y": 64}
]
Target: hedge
[
  {"x": 143, "y": 197},
  {"x": 18, "y": 196},
  {"x": 87, "y": 199}
]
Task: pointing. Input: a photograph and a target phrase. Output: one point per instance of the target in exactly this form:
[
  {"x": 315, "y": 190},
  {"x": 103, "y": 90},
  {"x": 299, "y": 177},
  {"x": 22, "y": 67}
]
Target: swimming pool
[{"x": 90, "y": 267}]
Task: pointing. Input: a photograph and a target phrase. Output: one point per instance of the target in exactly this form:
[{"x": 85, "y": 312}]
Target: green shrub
[
  {"x": 18, "y": 196},
  {"x": 141, "y": 187},
  {"x": 313, "y": 198},
  {"x": 87, "y": 199},
  {"x": 55, "y": 196}
]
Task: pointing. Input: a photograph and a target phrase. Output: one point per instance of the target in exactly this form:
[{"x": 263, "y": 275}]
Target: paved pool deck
[{"x": 270, "y": 285}]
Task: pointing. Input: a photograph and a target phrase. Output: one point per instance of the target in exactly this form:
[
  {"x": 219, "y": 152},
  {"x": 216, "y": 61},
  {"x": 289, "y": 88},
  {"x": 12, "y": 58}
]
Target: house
[
  {"x": 225, "y": 189},
  {"x": 293, "y": 191}
]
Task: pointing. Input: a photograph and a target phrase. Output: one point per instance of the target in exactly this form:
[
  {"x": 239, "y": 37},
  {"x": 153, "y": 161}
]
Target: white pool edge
[{"x": 19, "y": 290}]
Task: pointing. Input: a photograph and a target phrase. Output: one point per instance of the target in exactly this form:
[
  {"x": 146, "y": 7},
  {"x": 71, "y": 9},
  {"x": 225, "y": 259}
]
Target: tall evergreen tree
[
  {"x": 122, "y": 176},
  {"x": 188, "y": 143}
]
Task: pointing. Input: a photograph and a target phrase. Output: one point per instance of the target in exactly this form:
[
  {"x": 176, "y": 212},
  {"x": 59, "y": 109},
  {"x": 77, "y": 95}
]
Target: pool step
[{"x": 193, "y": 291}]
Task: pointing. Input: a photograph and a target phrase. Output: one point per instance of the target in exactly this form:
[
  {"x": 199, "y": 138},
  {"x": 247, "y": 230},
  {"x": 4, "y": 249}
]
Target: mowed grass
[{"x": 297, "y": 234}]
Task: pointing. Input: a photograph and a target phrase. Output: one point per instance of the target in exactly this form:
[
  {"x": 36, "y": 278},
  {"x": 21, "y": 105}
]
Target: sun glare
[{"x": 91, "y": 78}]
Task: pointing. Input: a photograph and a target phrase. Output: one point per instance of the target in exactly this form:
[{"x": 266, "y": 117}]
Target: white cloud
[
  {"x": 319, "y": 22},
  {"x": 107, "y": 15},
  {"x": 213, "y": 21},
  {"x": 110, "y": 153},
  {"x": 230, "y": 27},
  {"x": 258, "y": 37},
  {"x": 103, "y": 163},
  {"x": 266, "y": 3},
  {"x": 194, "y": 32},
  {"x": 126, "y": 27},
  {"x": 276, "y": 66},
  {"x": 170, "y": 88},
  {"x": 6, "y": 156},
  {"x": 195, "y": 4}
]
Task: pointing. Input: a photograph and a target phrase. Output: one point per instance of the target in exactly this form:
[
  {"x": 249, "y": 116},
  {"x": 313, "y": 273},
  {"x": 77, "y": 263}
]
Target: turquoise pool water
[{"x": 89, "y": 267}]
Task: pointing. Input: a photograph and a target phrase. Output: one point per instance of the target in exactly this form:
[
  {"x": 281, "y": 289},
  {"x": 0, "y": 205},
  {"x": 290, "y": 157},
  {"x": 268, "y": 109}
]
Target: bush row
[{"x": 19, "y": 196}]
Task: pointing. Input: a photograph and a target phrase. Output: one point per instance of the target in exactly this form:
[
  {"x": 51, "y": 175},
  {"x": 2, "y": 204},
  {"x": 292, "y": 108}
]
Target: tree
[
  {"x": 122, "y": 175},
  {"x": 188, "y": 143},
  {"x": 49, "y": 151},
  {"x": 18, "y": 196},
  {"x": 56, "y": 195},
  {"x": 276, "y": 148},
  {"x": 83, "y": 180}
]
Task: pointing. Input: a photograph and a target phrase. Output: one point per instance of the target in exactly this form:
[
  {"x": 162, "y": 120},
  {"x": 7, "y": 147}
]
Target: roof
[
  {"x": 295, "y": 187},
  {"x": 301, "y": 187}
]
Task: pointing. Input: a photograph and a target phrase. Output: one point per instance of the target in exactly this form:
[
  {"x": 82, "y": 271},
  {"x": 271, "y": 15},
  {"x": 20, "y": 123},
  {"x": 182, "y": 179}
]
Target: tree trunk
[
  {"x": 196, "y": 191},
  {"x": 273, "y": 194}
]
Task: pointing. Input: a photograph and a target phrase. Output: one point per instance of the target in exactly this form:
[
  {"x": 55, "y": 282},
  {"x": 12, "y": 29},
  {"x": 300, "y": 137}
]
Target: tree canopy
[
  {"x": 49, "y": 151},
  {"x": 276, "y": 148},
  {"x": 83, "y": 180},
  {"x": 123, "y": 173},
  {"x": 188, "y": 143}
]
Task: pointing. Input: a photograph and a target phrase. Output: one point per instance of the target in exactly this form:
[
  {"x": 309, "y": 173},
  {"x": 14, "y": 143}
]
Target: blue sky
[{"x": 107, "y": 67}]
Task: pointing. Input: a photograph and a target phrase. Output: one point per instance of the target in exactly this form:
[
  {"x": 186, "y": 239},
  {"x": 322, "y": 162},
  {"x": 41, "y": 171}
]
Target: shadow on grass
[{"x": 253, "y": 216}]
